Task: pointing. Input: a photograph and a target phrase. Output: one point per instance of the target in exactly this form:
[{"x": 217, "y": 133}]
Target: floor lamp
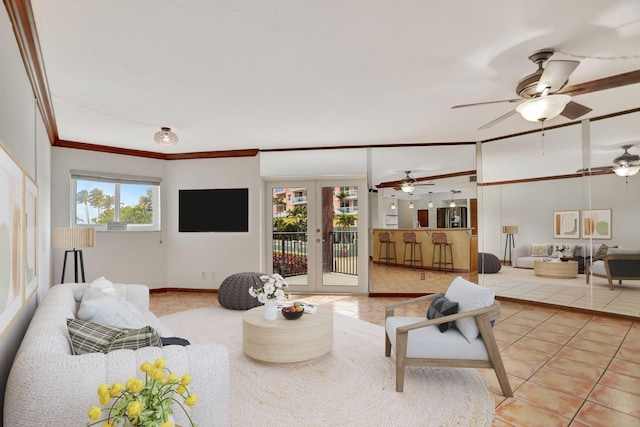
[
  {"x": 510, "y": 243},
  {"x": 76, "y": 238}
]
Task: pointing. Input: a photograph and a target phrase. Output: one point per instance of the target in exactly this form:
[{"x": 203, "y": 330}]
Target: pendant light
[
  {"x": 453, "y": 202},
  {"x": 410, "y": 200},
  {"x": 393, "y": 202},
  {"x": 430, "y": 205}
]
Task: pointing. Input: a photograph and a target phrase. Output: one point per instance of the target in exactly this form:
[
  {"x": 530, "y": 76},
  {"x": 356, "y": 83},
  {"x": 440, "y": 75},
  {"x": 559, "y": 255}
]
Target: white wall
[
  {"x": 530, "y": 206},
  {"x": 217, "y": 254},
  {"x": 22, "y": 132},
  {"x": 124, "y": 257}
]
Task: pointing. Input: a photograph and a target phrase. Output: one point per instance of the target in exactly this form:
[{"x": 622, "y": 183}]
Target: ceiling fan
[
  {"x": 625, "y": 165},
  {"x": 544, "y": 95},
  {"x": 408, "y": 183}
]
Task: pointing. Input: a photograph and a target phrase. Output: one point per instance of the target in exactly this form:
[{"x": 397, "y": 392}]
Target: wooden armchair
[
  {"x": 617, "y": 266},
  {"x": 427, "y": 346}
]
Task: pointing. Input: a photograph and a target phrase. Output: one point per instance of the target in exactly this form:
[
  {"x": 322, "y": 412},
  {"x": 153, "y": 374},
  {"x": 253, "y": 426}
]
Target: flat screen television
[{"x": 215, "y": 210}]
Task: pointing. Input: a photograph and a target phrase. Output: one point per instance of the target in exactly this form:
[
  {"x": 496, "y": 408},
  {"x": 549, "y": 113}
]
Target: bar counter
[{"x": 464, "y": 247}]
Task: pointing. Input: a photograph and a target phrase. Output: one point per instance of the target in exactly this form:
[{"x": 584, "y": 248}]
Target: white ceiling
[{"x": 268, "y": 74}]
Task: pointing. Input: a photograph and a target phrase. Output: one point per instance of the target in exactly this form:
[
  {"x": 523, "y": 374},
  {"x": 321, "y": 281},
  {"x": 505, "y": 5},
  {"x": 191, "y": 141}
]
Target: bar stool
[
  {"x": 409, "y": 240},
  {"x": 387, "y": 243},
  {"x": 440, "y": 242}
]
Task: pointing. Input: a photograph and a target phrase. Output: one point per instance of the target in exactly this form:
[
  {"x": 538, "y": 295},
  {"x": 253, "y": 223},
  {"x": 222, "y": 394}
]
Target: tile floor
[{"x": 566, "y": 368}]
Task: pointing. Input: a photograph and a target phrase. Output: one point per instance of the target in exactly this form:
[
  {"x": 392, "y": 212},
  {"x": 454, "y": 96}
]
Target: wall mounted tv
[{"x": 216, "y": 210}]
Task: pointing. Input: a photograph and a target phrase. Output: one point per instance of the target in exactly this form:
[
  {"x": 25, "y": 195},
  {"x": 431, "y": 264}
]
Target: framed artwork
[
  {"x": 30, "y": 236},
  {"x": 596, "y": 224},
  {"x": 11, "y": 289},
  {"x": 566, "y": 224}
]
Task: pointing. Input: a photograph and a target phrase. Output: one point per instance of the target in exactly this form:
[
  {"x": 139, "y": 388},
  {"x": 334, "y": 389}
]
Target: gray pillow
[{"x": 440, "y": 307}]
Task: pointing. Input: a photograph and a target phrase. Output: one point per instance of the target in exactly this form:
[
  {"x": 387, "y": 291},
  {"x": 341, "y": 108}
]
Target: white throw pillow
[
  {"x": 104, "y": 285},
  {"x": 469, "y": 296},
  {"x": 109, "y": 309},
  {"x": 539, "y": 249}
]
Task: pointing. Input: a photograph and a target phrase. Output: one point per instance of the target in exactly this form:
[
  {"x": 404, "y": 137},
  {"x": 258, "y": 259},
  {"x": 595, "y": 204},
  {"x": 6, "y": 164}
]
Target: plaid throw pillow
[
  {"x": 441, "y": 306},
  {"x": 88, "y": 337}
]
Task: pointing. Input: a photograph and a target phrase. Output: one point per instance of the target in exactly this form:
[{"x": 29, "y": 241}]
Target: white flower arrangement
[
  {"x": 562, "y": 247},
  {"x": 273, "y": 288}
]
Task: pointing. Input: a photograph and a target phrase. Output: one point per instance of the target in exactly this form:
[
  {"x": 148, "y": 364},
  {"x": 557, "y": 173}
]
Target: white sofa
[
  {"x": 522, "y": 256},
  {"x": 48, "y": 385}
]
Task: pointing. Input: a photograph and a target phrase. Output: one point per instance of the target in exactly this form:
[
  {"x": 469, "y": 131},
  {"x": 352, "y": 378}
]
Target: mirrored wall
[{"x": 533, "y": 182}]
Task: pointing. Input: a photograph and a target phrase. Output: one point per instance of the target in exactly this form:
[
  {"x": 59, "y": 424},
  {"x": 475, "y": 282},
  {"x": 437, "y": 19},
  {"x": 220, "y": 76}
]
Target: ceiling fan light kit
[
  {"x": 626, "y": 163},
  {"x": 543, "y": 108},
  {"x": 165, "y": 137}
]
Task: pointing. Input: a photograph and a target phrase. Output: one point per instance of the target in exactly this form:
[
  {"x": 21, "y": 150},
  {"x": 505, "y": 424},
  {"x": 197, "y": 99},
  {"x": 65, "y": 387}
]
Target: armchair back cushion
[{"x": 469, "y": 296}]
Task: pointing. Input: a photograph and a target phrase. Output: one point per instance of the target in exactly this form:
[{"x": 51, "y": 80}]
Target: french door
[{"x": 313, "y": 234}]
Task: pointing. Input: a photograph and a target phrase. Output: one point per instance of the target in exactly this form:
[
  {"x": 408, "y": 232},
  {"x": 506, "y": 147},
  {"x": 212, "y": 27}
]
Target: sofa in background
[
  {"x": 618, "y": 264},
  {"x": 525, "y": 255},
  {"x": 49, "y": 386}
]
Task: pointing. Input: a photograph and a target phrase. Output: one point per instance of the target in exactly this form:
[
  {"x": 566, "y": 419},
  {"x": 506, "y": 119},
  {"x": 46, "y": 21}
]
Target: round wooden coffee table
[
  {"x": 556, "y": 269},
  {"x": 283, "y": 340}
]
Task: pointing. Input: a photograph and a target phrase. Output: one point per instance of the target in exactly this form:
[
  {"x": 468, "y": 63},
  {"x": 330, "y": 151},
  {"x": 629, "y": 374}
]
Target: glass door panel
[
  {"x": 289, "y": 232},
  {"x": 313, "y": 236}
]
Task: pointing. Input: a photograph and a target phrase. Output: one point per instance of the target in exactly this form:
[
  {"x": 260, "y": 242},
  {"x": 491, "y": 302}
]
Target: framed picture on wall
[
  {"x": 11, "y": 290},
  {"x": 596, "y": 224},
  {"x": 566, "y": 224},
  {"x": 30, "y": 271}
]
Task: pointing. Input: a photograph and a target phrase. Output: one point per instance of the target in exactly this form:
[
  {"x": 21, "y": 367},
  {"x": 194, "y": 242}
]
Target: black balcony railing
[{"x": 290, "y": 253}]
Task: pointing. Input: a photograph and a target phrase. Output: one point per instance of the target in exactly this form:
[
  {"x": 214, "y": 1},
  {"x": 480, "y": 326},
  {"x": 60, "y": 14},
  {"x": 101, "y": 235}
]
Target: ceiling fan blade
[
  {"x": 486, "y": 103},
  {"x": 498, "y": 120},
  {"x": 555, "y": 75},
  {"x": 573, "y": 110},
  {"x": 618, "y": 80},
  {"x": 599, "y": 170}
]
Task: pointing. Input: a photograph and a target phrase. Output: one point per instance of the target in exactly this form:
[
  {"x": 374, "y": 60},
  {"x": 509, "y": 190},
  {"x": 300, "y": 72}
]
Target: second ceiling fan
[
  {"x": 544, "y": 95},
  {"x": 409, "y": 183}
]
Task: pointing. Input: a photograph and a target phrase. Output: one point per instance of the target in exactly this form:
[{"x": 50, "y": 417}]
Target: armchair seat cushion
[{"x": 430, "y": 343}]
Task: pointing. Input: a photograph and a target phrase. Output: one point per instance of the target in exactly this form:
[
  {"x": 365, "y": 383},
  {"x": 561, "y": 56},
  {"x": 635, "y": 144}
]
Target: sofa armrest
[
  {"x": 138, "y": 295},
  {"x": 58, "y": 389}
]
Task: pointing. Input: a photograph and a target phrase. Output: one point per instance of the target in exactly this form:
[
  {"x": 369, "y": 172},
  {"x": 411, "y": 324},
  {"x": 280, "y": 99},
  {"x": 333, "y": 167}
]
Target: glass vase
[{"x": 270, "y": 310}]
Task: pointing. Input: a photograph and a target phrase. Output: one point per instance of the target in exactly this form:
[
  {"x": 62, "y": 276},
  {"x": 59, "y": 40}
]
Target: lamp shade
[
  {"x": 510, "y": 229},
  {"x": 73, "y": 237},
  {"x": 165, "y": 137},
  {"x": 629, "y": 170},
  {"x": 543, "y": 108},
  {"x": 408, "y": 188}
]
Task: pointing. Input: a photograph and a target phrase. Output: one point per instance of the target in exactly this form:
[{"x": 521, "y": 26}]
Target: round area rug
[{"x": 353, "y": 385}]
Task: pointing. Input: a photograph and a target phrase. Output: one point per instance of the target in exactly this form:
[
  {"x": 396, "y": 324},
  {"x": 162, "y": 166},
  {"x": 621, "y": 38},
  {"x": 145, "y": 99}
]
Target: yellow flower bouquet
[{"x": 145, "y": 402}]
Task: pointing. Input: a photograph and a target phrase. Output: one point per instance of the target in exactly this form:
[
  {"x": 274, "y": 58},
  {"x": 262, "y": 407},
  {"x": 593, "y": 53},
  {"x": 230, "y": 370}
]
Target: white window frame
[{"x": 117, "y": 180}]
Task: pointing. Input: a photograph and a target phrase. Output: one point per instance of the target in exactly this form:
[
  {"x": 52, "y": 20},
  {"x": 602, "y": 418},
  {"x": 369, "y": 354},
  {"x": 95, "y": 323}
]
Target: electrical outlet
[
  {"x": 422, "y": 275},
  {"x": 203, "y": 274}
]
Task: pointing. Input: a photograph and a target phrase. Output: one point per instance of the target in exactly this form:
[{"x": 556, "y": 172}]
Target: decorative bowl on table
[
  {"x": 293, "y": 312},
  {"x": 565, "y": 258}
]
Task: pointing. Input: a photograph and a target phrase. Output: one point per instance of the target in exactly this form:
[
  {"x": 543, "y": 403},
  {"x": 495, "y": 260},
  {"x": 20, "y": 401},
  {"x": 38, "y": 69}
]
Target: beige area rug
[{"x": 353, "y": 385}]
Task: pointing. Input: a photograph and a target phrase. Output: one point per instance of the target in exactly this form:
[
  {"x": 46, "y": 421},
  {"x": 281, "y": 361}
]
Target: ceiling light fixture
[
  {"x": 408, "y": 188},
  {"x": 543, "y": 108},
  {"x": 165, "y": 137},
  {"x": 408, "y": 184},
  {"x": 393, "y": 202},
  {"x": 430, "y": 202},
  {"x": 453, "y": 202},
  {"x": 411, "y": 201},
  {"x": 626, "y": 163}
]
